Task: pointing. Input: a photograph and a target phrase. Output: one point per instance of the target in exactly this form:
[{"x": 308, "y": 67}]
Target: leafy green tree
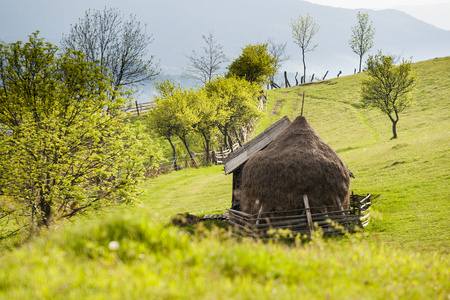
[
  {"x": 255, "y": 64},
  {"x": 61, "y": 153},
  {"x": 174, "y": 115},
  {"x": 161, "y": 118},
  {"x": 388, "y": 87},
  {"x": 303, "y": 32},
  {"x": 118, "y": 45},
  {"x": 207, "y": 122},
  {"x": 237, "y": 104},
  {"x": 362, "y": 36}
]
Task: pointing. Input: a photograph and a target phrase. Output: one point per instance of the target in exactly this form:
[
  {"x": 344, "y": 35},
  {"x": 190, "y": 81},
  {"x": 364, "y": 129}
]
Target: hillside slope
[{"x": 409, "y": 175}]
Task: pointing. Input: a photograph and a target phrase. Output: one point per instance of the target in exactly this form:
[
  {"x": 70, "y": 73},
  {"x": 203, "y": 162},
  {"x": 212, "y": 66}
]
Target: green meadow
[{"x": 404, "y": 253}]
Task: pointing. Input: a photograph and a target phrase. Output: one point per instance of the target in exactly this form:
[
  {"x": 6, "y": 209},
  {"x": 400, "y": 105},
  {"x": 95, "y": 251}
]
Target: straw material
[{"x": 297, "y": 162}]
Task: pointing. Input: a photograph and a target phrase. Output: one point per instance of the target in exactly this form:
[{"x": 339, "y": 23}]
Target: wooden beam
[
  {"x": 338, "y": 201},
  {"x": 308, "y": 215}
]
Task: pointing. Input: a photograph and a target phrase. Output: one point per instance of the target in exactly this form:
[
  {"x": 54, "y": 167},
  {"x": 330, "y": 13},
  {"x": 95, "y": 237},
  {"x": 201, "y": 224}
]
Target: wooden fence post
[
  {"x": 338, "y": 201},
  {"x": 214, "y": 159},
  {"x": 137, "y": 107},
  {"x": 303, "y": 102},
  {"x": 286, "y": 81},
  {"x": 308, "y": 215}
]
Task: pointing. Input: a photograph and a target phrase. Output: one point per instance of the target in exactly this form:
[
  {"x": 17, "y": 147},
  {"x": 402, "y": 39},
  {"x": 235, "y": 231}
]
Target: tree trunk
[
  {"x": 394, "y": 129},
  {"x": 191, "y": 155},
  {"x": 394, "y": 124},
  {"x": 230, "y": 142},
  {"x": 360, "y": 62},
  {"x": 174, "y": 154},
  {"x": 236, "y": 134},
  {"x": 206, "y": 145},
  {"x": 44, "y": 218},
  {"x": 304, "y": 66},
  {"x": 223, "y": 130}
]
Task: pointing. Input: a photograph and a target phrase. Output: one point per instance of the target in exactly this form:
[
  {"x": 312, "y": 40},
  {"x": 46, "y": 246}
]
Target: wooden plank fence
[
  {"x": 138, "y": 109},
  {"x": 218, "y": 157},
  {"x": 356, "y": 215}
]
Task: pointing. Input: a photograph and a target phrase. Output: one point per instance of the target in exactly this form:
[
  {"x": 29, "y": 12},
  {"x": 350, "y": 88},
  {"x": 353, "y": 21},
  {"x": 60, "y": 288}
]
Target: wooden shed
[{"x": 236, "y": 160}]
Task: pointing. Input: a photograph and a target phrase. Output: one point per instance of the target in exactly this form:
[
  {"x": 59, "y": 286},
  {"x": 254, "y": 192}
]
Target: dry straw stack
[{"x": 298, "y": 162}]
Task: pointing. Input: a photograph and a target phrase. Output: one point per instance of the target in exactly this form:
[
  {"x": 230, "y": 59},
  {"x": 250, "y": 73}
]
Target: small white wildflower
[{"x": 114, "y": 245}]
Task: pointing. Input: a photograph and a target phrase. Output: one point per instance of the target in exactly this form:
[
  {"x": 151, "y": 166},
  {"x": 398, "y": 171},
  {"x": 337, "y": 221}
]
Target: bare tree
[
  {"x": 118, "y": 45},
  {"x": 205, "y": 66},
  {"x": 362, "y": 36},
  {"x": 278, "y": 52},
  {"x": 303, "y": 31}
]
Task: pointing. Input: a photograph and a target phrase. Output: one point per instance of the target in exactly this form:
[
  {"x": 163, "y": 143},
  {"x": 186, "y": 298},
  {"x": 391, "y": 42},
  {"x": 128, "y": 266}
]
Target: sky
[
  {"x": 434, "y": 12},
  {"x": 375, "y": 4}
]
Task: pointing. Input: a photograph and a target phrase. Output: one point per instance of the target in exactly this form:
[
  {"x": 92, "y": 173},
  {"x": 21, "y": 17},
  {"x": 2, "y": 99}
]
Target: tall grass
[{"x": 125, "y": 257}]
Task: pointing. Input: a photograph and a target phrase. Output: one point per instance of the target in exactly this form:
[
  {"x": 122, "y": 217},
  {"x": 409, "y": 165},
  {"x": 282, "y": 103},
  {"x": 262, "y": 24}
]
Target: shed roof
[{"x": 241, "y": 155}]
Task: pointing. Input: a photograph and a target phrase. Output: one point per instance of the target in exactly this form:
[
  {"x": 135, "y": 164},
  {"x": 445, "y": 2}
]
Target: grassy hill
[
  {"x": 403, "y": 253},
  {"x": 409, "y": 175}
]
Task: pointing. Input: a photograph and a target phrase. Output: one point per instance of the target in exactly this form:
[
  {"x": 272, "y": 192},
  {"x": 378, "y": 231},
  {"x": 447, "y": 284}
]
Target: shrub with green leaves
[
  {"x": 64, "y": 145},
  {"x": 255, "y": 64}
]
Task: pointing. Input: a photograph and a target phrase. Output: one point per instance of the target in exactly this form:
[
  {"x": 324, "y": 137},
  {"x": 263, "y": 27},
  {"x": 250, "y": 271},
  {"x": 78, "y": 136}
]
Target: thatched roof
[
  {"x": 242, "y": 154},
  {"x": 295, "y": 163}
]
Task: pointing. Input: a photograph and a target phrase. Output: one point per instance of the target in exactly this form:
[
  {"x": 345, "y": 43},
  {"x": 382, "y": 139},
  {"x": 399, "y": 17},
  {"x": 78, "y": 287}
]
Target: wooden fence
[
  {"x": 356, "y": 215},
  {"x": 218, "y": 157},
  {"x": 138, "y": 109}
]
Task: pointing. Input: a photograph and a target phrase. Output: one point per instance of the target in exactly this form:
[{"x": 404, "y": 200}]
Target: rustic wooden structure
[
  {"x": 237, "y": 159},
  {"x": 137, "y": 109},
  {"x": 265, "y": 225}
]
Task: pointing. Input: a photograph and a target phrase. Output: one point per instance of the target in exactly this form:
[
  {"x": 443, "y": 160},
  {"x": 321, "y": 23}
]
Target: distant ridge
[{"x": 177, "y": 27}]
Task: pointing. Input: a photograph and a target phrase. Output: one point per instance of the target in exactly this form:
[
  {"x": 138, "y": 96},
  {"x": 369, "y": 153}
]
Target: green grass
[
  {"x": 403, "y": 253},
  {"x": 154, "y": 262},
  {"x": 409, "y": 175},
  {"x": 197, "y": 191}
]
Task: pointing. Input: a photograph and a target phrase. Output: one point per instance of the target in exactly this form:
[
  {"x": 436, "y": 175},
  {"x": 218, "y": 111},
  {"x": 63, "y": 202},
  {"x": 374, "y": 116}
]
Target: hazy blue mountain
[
  {"x": 178, "y": 25},
  {"x": 436, "y": 14}
]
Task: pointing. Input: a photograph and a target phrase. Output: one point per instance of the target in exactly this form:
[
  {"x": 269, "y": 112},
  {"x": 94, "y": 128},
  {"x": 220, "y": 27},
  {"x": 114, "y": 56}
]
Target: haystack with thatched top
[{"x": 295, "y": 163}]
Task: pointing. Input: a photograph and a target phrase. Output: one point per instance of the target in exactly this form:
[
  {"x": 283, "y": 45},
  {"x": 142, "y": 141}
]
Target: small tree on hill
[
  {"x": 362, "y": 36},
  {"x": 61, "y": 152},
  {"x": 388, "y": 87},
  {"x": 205, "y": 66},
  {"x": 278, "y": 52},
  {"x": 303, "y": 32},
  {"x": 255, "y": 64}
]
